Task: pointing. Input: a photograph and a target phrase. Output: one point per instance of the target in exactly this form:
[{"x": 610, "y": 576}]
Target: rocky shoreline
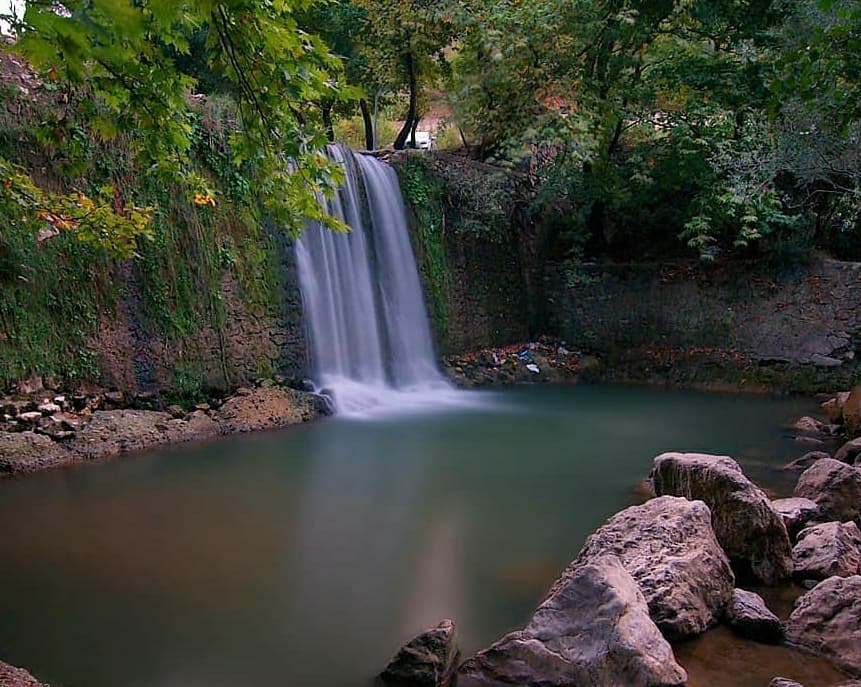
[
  {"x": 677, "y": 566},
  {"x": 41, "y": 430}
]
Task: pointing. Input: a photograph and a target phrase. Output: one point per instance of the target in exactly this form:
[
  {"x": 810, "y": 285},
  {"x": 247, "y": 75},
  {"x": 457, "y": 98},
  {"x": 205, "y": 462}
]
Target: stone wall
[
  {"x": 485, "y": 300},
  {"x": 809, "y": 319},
  {"x": 252, "y": 343}
]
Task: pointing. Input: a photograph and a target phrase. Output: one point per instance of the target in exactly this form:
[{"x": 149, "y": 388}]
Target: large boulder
[
  {"x": 427, "y": 660},
  {"x": 832, "y": 548},
  {"x": 835, "y": 487},
  {"x": 749, "y": 617},
  {"x": 593, "y": 630},
  {"x": 10, "y": 676},
  {"x": 850, "y": 452},
  {"x": 669, "y": 548},
  {"x": 796, "y": 513},
  {"x": 750, "y": 531},
  {"x": 827, "y": 621}
]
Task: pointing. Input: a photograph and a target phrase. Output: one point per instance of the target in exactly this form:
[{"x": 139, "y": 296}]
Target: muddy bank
[{"x": 40, "y": 432}]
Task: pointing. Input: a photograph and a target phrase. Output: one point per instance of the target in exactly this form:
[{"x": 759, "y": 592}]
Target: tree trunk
[
  {"x": 416, "y": 120},
  {"x": 369, "y": 125},
  {"x": 327, "y": 120},
  {"x": 401, "y": 140}
]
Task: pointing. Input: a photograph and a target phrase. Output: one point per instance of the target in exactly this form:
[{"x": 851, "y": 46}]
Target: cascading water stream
[{"x": 370, "y": 340}]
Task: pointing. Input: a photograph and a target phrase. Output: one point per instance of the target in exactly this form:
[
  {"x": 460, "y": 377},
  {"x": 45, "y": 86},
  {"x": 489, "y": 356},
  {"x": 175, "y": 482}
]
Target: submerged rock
[
  {"x": 827, "y": 621},
  {"x": 796, "y": 513},
  {"x": 593, "y": 630},
  {"x": 750, "y": 531},
  {"x": 832, "y": 548},
  {"x": 784, "y": 682},
  {"x": 749, "y": 617},
  {"x": 835, "y": 487},
  {"x": 808, "y": 459},
  {"x": 669, "y": 548},
  {"x": 427, "y": 660}
]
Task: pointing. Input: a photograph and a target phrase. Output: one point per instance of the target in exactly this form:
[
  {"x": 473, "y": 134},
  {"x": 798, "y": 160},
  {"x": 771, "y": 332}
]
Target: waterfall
[{"x": 369, "y": 336}]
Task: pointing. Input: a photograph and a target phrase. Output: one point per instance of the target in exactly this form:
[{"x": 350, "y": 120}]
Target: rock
[
  {"x": 820, "y": 360},
  {"x": 809, "y": 424},
  {"x": 750, "y": 531},
  {"x": 116, "y": 432},
  {"x": 668, "y": 546},
  {"x": 114, "y": 399},
  {"x": 749, "y": 617},
  {"x": 835, "y": 487},
  {"x": 30, "y": 418},
  {"x": 28, "y": 451},
  {"x": 267, "y": 408},
  {"x": 832, "y": 548},
  {"x": 808, "y": 441},
  {"x": 175, "y": 411},
  {"x": 593, "y": 630},
  {"x": 849, "y": 452},
  {"x": 16, "y": 677},
  {"x": 796, "y": 513},
  {"x": 852, "y": 411},
  {"x": 808, "y": 459},
  {"x": 784, "y": 682},
  {"x": 30, "y": 386},
  {"x": 203, "y": 406},
  {"x": 833, "y": 407},
  {"x": 827, "y": 621},
  {"x": 48, "y": 408},
  {"x": 426, "y": 661}
]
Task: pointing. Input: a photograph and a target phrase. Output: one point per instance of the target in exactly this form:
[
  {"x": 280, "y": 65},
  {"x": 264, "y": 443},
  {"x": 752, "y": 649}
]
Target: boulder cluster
[{"x": 672, "y": 568}]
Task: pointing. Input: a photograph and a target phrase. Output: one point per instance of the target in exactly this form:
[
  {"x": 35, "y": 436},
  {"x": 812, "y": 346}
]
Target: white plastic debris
[{"x": 532, "y": 367}]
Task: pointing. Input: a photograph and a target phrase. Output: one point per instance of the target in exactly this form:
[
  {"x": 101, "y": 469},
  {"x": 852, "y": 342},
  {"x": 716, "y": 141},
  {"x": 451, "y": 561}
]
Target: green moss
[
  {"x": 423, "y": 194},
  {"x": 53, "y": 296}
]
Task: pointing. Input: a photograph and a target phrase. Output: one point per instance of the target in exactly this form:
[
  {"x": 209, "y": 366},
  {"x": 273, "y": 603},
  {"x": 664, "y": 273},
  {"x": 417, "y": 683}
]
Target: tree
[
  {"x": 405, "y": 46},
  {"x": 123, "y": 55}
]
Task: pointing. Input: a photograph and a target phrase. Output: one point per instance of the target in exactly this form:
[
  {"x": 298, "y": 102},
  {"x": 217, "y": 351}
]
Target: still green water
[{"x": 304, "y": 558}]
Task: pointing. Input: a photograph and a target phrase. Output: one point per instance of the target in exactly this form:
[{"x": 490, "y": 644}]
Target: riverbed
[{"x": 306, "y": 557}]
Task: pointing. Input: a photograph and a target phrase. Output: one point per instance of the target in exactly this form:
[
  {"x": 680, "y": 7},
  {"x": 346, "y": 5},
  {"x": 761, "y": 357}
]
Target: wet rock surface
[
  {"x": 835, "y": 487},
  {"x": 593, "y": 630},
  {"x": 427, "y": 660},
  {"x": 832, "y": 548},
  {"x": 668, "y": 546},
  {"x": 748, "y": 528},
  {"x": 827, "y": 621},
  {"x": 749, "y": 617}
]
